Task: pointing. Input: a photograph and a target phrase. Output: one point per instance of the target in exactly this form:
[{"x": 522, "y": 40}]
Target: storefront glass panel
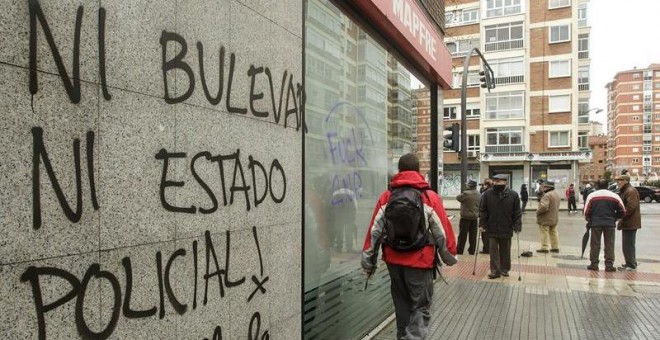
[{"x": 361, "y": 116}]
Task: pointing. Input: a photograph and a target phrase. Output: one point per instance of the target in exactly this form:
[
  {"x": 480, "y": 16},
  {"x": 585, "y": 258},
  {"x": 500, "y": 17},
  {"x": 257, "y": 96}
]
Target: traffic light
[
  {"x": 450, "y": 137},
  {"x": 486, "y": 80}
]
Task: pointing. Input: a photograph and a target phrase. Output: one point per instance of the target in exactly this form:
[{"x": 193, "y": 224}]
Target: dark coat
[
  {"x": 524, "y": 195},
  {"x": 469, "y": 204},
  {"x": 499, "y": 213},
  {"x": 632, "y": 219}
]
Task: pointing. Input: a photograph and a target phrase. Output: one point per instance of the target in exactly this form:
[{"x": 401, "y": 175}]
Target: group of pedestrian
[
  {"x": 605, "y": 211},
  {"x": 411, "y": 225}
]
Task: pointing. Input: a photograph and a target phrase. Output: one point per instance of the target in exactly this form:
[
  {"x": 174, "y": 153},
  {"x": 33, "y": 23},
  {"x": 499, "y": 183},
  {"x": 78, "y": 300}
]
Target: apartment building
[
  {"x": 594, "y": 170},
  {"x": 535, "y": 123},
  {"x": 633, "y": 119}
]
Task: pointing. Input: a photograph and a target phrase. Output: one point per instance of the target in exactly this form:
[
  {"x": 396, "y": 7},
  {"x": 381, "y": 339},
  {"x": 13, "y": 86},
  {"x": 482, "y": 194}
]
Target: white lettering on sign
[{"x": 410, "y": 19}]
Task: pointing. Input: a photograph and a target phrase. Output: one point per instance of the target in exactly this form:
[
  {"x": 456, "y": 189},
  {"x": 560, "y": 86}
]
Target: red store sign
[{"x": 406, "y": 24}]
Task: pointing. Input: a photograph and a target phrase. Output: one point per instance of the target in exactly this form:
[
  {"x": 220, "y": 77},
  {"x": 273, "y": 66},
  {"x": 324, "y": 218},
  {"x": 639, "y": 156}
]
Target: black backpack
[{"x": 405, "y": 220}]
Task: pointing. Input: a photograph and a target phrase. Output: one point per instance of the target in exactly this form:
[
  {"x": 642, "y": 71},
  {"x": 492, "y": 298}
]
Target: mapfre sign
[{"x": 411, "y": 21}]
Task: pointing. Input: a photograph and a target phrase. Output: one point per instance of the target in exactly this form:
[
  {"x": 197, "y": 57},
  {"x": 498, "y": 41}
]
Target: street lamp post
[{"x": 489, "y": 79}]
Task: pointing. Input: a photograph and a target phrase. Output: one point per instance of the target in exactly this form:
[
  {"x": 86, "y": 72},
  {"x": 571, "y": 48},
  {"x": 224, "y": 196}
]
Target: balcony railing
[
  {"x": 583, "y": 54},
  {"x": 583, "y": 87},
  {"x": 504, "y": 148},
  {"x": 509, "y": 80},
  {"x": 505, "y": 45}
]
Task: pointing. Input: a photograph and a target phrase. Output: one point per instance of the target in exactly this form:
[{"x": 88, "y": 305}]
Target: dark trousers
[
  {"x": 628, "y": 245},
  {"x": 609, "y": 235},
  {"x": 467, "y": 227},
  {"x": 571, "y": 204},
  {"x": 524, "y": 204},
  {"x": 500, "y": 255},
  {"x": 412, "y": 293}
]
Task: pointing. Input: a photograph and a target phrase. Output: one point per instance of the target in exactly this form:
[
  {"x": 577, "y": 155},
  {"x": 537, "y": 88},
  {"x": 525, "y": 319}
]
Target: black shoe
[
  {"x": 493, "y": 275},
  {"x": 610, "y": 269},
  {"x": 544, "y": 251},
  {"x": 505, "y": 274},
  {"x": 593, "y": 267},
  {"x": 484, "y": 252},
  {"x": 554, "y": 250}
]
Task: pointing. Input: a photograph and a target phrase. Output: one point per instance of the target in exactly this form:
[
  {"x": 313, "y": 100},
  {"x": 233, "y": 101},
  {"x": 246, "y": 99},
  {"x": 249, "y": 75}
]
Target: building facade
[
  {"x": 595, "y": 170},
  {"x": 634, "y": 122},
  {"x": 534, "y": 124}
]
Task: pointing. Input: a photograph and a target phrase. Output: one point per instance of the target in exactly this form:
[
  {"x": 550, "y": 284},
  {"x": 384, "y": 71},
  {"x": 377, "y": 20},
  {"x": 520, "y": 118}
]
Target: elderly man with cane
[{"x": 500, "y": 216}]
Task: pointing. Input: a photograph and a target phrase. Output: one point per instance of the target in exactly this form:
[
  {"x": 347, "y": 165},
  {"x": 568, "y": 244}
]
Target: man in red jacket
[{"x": 411, "y": 271}]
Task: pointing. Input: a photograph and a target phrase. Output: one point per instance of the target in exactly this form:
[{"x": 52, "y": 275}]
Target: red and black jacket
[{"x": 442, "y": 234}]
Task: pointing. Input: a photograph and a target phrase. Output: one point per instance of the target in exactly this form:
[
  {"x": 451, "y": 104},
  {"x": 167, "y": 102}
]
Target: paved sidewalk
[{"x": 557, "y": 298}]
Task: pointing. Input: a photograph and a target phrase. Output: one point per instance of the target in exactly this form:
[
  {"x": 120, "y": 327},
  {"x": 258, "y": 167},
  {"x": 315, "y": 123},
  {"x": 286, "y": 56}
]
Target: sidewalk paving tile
[{"x": 549, "y": 303}]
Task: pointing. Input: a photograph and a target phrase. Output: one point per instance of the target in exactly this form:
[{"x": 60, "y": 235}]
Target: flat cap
[{"x": 501, "y": 176}]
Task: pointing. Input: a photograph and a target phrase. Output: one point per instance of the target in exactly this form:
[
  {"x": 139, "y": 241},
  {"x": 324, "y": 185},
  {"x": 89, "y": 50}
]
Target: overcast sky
[{"x": 624, "y": 34}]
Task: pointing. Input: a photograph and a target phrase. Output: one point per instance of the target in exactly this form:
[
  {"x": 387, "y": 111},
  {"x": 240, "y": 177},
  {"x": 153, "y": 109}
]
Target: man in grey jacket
[
  {"x": 469, "y": 214},
  {"x": 547, "y": 217}
]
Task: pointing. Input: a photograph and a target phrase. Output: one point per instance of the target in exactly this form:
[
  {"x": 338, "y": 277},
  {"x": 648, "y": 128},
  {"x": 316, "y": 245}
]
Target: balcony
[
  {"x": 504, "y": 45},
  {"x": 509, "y": 80},
  {"x": 504, "y": 148},
  {"x": 583, "y": 87},
  {"x": 583, "y": 54}
]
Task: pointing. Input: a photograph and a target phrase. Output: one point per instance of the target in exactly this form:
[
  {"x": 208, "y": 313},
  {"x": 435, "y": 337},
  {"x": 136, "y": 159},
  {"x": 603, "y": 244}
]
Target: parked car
[{"x": 648, "y": 193}]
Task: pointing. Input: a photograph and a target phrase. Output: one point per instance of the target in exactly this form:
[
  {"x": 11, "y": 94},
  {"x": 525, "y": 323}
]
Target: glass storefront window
[{"x": 363, "y": 112}]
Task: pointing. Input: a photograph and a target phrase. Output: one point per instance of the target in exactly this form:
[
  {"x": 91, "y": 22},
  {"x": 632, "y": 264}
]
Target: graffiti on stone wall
[
  {"x": 293, "y": 103},
  {"x": 251, "y": 178},
  {"x": 238, "y": 181},
  {"x": 39, "y": 156},
  {"x": 214, "y": 269}
]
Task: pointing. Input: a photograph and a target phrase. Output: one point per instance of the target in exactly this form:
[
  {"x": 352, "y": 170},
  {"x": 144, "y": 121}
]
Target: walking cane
[
  {"x": 518, "y": 239},
  {"x": 476, "y": 252}
]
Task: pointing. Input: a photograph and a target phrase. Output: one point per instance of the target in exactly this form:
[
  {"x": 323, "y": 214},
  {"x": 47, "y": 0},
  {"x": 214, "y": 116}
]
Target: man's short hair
[
  {"x": 602, "y": 183},
  {"x": 408, "y": 162}
]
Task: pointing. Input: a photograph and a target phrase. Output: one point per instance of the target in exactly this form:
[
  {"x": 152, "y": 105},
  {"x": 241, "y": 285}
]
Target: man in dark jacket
[
  {"x": 411, "y": 272},
  {"x": 524, "y": 197},
  {"x": 601, "y": 210},
  {"x": 499, "y": 215},
  {"x": 469, "y": 213},
  {"x": 631, "y": 221}
]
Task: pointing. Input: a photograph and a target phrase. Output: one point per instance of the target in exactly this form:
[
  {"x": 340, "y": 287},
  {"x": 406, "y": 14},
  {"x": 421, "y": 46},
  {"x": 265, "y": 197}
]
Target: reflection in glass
[{"x": 360, "y": 118}]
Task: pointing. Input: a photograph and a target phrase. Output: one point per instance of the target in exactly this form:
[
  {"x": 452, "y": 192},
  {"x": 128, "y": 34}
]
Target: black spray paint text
[
  {"x": 258, "y": 174},
  {"x": 290, "y": 101},
  {"x": 215, "y": 271},
  {"x": 292, "y": 104}
]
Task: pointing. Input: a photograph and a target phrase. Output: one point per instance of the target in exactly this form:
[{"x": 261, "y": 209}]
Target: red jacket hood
[{"x": 409, "y": 178}]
